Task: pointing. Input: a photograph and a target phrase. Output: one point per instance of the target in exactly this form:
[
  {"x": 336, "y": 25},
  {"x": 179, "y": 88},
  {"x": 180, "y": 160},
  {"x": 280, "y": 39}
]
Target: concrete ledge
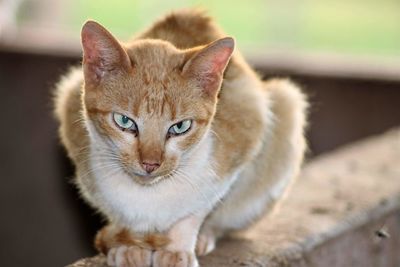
[{"x": 344, "y": 210}]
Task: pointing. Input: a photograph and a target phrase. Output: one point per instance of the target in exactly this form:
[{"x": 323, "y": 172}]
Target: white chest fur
[{"x": 157, "y": 207}]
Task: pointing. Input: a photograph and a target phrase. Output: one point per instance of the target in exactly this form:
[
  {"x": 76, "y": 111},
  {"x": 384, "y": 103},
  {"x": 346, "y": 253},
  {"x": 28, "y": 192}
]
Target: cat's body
[{"x": 238, "y": 156}]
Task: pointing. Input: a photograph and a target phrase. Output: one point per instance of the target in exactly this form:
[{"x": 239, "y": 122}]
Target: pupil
[
  {"x": 179, "y": 125},
  {"x": 125, "y": 119}
]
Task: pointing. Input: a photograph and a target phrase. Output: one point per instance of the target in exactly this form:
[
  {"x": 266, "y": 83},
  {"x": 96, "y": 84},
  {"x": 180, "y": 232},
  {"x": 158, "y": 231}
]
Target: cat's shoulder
[{"x": 68, "y": 111}]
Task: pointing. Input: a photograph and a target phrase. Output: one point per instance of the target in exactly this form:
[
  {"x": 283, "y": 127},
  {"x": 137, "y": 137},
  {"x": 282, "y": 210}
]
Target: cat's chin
[{"x": 148, "y": 180}]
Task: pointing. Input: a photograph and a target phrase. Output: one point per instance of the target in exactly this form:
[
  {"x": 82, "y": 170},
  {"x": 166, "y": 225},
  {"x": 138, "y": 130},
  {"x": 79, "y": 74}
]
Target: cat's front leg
[
  {"x": 180, "y": 251},
  {"x": 206, "y": 241}
]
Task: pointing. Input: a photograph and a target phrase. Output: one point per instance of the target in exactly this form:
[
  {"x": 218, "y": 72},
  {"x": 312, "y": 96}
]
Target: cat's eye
[
  {"x": 180, "y": 127},
  {"x": 124, "y": 122}
]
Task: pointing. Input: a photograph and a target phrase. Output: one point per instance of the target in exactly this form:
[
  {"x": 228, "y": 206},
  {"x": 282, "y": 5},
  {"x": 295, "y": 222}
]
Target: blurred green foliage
[{"x": 342, "y": 26}]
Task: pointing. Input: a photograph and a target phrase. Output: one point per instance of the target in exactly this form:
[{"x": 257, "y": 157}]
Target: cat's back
[{"x": 185, "y": 28}]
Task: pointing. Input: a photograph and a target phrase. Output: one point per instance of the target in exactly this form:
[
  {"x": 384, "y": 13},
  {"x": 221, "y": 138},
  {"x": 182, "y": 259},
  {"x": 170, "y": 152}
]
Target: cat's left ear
[
  {"x": 102, "y": 53},
  {"x": 207, "y": 66}
]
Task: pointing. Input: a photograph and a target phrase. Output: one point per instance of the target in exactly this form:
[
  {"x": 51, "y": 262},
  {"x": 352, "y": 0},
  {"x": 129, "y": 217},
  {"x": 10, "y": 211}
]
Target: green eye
[
  {"x": 124, "y": 122},
  {"x": 180, "y": 127}
]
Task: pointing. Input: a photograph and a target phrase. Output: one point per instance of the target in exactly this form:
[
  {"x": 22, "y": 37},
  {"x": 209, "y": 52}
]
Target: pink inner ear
[
  {"x": 211, "y": 73},
  {"x": 90, "y": 51},
  {"x": 220, "y": 60},
  {"x": 92, "y": 57},
  {"x": 94, "y": 48}
]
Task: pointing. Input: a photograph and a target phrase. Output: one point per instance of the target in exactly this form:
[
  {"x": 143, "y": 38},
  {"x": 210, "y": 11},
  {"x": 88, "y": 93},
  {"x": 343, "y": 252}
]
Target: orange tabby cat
[{"x": 175, "y": 139}]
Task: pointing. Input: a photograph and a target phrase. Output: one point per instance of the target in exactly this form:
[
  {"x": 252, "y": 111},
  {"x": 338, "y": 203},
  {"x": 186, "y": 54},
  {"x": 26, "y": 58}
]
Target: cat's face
[{"x": 148, "y": 105}]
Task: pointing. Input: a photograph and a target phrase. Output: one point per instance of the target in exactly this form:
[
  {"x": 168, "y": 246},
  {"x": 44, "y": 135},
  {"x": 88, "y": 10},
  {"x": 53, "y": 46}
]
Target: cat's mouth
[{"x": 147, "y": 179}]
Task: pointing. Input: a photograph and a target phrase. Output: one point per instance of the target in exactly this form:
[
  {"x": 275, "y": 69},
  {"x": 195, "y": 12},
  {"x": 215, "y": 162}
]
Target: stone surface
[{"x": 344, "y": 210}]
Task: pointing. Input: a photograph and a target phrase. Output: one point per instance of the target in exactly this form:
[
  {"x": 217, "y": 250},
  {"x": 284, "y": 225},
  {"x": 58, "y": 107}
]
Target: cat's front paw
[
  {"x": 131, "y": 256},
  {"x": 165, "y": 258},
  {"x": 205, "y": 244}
]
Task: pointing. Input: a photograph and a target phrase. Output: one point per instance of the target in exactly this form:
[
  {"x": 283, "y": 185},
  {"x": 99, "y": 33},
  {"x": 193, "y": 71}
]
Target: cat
[{"x": 176, "y": 139}]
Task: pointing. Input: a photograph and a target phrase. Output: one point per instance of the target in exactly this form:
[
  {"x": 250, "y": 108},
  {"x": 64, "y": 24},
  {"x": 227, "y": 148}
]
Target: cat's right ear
[
  {"x": 207, "y": 66},
  {"x": 102, "y": 53}
]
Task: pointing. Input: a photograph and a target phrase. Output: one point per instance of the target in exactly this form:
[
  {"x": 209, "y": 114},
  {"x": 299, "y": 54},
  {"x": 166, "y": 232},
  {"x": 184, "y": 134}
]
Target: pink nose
[{"x": 150, "y": 166}]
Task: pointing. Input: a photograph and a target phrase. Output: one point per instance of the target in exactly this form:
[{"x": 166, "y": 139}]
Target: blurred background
[{"x": 345, "y": 54}]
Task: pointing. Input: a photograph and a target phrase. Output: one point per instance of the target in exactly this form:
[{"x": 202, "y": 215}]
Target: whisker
[{"x": 215, "y": 134}]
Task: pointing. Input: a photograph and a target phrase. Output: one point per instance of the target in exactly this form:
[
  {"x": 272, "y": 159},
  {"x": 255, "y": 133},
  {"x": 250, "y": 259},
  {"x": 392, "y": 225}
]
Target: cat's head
[{"x": 148, "y": 104}]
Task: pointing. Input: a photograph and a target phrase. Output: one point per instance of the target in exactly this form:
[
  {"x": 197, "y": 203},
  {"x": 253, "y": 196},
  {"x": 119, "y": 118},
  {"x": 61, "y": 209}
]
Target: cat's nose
[{"x": 150, "y": 166}]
